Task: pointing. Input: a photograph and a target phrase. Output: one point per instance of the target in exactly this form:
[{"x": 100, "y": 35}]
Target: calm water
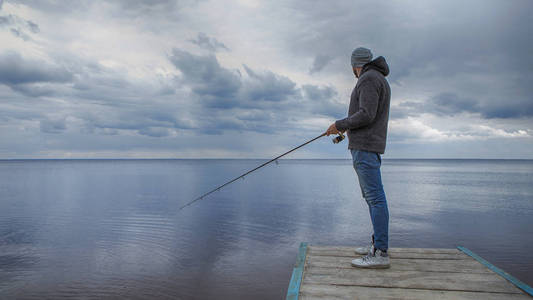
[{"x": 110, "y": 228}]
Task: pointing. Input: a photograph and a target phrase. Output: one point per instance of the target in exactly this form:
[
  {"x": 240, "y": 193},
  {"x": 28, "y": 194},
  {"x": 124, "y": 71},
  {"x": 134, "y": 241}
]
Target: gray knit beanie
[{"x": 361, "y": 56}]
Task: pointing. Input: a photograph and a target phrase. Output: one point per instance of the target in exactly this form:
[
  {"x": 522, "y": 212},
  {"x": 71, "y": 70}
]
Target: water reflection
[{"x": 111, "y": 228}]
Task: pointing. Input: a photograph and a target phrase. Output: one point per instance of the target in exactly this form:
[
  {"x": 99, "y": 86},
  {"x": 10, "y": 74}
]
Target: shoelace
[{"x": 367, "y": 257}]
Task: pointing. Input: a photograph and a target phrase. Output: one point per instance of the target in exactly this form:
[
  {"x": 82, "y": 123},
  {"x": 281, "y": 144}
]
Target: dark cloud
[
  {"x": 15, "y": 70},
  {"x": 522, "y": 109},
  {"x": 267, "y": 86},
  {"x": 208, "y": 43},
  {"x": 218, "y": 87},
  {"x": 31, "y": 77},
  {"x": 215, "y": 85},
  {"x": 319, "y": 63},
  {"x": 108, "y": 102},
  {"x": 260, "y": 101},
  {"x": 451, "y": 104}
]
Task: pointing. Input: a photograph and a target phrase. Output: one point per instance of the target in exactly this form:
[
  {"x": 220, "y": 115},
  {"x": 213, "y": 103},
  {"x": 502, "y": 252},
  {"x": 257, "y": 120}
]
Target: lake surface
[{"x": 111, "y": 228}]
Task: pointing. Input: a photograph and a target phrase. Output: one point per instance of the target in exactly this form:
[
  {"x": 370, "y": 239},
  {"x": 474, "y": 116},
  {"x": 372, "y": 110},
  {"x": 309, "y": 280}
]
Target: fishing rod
[{"x": 335, "y": 140}]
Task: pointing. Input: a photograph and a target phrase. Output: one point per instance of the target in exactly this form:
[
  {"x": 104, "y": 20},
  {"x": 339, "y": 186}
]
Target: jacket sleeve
[{"x": 368, "y": 106}]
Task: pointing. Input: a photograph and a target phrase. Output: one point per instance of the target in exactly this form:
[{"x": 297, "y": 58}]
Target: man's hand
[{"x": 332, "y": 130}]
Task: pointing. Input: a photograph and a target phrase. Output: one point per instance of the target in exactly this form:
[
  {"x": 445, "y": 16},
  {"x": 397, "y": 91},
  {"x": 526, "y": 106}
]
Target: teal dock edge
[
  {"x": 297, "y": 272},
  {"x": 526, "y": 288}
]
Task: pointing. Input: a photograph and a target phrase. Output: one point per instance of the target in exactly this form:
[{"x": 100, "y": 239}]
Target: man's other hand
[{"x": 332, "y": 130}]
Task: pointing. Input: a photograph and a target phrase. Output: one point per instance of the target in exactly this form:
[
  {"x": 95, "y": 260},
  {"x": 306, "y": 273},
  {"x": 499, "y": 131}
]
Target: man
[{"x": 366, "y": 124}]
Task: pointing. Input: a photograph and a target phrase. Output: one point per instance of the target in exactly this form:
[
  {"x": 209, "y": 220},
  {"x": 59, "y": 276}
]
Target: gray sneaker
[
  {"x": 364, "y": 250},
  {"x": 376, "y": 260},
  {"x": 367, "y": 249}
]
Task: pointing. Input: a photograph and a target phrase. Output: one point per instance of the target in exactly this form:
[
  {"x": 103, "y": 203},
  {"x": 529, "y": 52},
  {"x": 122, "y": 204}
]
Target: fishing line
[{"x": 336, "y": 140}]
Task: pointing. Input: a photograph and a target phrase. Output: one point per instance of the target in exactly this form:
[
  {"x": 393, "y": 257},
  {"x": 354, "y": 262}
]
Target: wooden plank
[
  {"x": 526, "y": 288},
  {"x": 427, "y": 265},
  {"x": 410, "y": 279},
  {"x": 349, "y": 251},
  {"x": 322, "y": 291},
  {"x": 297, "y": 273},
  {"x": 408, "y": 250}
]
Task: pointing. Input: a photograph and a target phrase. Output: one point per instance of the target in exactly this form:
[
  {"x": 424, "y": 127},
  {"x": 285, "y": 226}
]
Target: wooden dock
[{"x": 325, "y": 272}]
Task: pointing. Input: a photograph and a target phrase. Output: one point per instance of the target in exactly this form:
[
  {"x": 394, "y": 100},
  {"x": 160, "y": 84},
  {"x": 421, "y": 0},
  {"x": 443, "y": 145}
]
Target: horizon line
[{"x": 231, "y": 158}]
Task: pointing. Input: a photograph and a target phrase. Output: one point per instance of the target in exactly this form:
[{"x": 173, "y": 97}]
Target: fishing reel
[{"x": 338, "y": 138}]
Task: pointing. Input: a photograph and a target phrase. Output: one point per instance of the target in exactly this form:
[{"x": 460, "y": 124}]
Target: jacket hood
[{"x": 378, "y": 64}]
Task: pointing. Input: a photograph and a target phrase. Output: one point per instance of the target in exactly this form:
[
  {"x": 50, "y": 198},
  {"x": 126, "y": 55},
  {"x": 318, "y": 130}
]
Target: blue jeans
[{"x": 367, "y": 166}]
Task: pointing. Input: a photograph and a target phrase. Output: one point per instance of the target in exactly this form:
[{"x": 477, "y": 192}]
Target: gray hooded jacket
[{"x": 368, "y": 114}]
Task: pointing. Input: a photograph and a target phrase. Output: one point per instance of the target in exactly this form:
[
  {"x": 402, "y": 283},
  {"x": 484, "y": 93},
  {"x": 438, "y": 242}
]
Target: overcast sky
[{"x": 252, "y": 79}]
